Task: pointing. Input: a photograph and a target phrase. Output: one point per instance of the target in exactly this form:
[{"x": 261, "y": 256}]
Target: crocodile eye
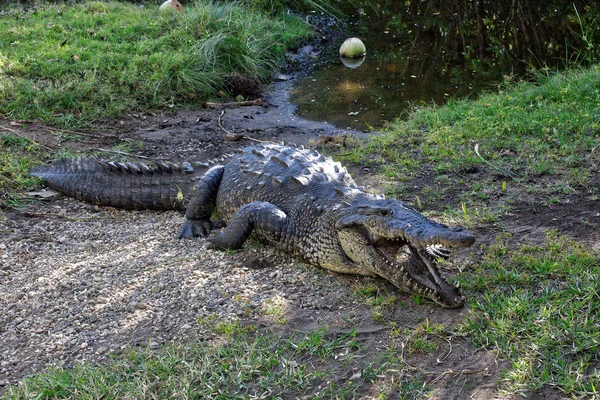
[{"x": 383, "y": 212}]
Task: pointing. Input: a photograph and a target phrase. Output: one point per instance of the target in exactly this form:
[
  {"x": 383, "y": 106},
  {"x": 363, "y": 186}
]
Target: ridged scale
[{"x": 279, "y": 174}]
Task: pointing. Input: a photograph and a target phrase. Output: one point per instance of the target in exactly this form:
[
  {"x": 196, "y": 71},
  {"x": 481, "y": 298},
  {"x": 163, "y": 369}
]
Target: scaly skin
[
  {"x": 307, "y": 205},
  {"x": 166, "y": 186},
  {"x": 294, "y": 199}
]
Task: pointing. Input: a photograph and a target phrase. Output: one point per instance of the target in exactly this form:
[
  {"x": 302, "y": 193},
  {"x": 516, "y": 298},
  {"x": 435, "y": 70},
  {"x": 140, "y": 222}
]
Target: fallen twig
[
  {"x": 75, "y": 219},
  {"x": 26, "y": 138},
  {"x": 442, "y": 359},
  {"x": 80, "y": 133},
  {"x": 210, "y": 104},
  {"x": 258, "y": 140},
  {"x": 505, "y": 172},
  {"x": 234, "y": 137},
  {"x": 227, "y": 133},
  {"x": 456, "y": 172}
]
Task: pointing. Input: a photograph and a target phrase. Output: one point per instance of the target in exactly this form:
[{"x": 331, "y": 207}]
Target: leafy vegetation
[
  {"x": 536, "y": 305},
  {"x": 72, "y": 64},
  {"x": 539, "y": 307}
]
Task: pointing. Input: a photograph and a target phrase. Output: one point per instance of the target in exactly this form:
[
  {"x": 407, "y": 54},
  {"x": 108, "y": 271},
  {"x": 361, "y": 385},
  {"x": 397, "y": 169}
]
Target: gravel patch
[{"x": 81, "y": 282}]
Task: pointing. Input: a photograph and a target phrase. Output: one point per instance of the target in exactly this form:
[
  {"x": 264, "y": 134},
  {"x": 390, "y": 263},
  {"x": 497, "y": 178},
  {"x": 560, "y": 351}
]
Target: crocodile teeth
[{"x": 438, "y": 251}]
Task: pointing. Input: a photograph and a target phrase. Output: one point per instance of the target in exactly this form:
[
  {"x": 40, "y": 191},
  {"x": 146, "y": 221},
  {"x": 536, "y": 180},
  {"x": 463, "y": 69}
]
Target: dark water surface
[{"x": 430, "y": 51}]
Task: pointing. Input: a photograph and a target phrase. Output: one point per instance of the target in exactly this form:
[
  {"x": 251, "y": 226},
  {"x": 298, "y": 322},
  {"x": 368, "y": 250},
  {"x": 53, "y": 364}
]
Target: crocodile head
[{"x": 401, "y": 245}]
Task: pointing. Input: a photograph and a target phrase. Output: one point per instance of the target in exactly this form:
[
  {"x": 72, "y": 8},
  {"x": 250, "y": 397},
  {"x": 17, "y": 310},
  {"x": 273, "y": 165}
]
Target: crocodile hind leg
[
  {"x": 202, "y": 204},
  {"x": 264, "y": 219}
]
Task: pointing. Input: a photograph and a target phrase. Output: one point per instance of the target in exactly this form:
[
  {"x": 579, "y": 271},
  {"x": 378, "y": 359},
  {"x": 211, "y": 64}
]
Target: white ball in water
[
  {"x": 352, "y": 63},
  {"x": 353, "y": 47}
]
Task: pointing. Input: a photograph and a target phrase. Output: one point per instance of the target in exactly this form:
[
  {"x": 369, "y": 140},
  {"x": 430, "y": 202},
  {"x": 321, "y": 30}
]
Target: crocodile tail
[{"x": 164, "y": 186}]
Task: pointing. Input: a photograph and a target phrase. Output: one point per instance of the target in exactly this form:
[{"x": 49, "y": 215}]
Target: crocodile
[{"x": 291, "y": 197}]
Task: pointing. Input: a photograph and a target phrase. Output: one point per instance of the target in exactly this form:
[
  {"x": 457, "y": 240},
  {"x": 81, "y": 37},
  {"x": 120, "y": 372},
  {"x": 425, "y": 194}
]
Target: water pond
[{"x": 430, "y": 51}]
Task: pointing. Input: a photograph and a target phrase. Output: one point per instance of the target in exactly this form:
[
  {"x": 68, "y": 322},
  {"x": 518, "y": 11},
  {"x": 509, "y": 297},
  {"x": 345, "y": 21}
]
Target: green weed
[
  {"x": 422, "y": 339},
  {"x": 65, "y": 152},
  {"x": 61, "y": 137},
  {"x": 590, "y": 53},
  {"x": 379, "y": 301},
  {"x": 276, "y": 308},
  {"x": 129, "y": 146}
]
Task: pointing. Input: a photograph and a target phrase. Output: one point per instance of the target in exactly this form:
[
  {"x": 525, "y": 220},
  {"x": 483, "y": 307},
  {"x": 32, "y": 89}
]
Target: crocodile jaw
[
  {"x": 423, "y": 274},
  {"x": 409, "y": 268}
]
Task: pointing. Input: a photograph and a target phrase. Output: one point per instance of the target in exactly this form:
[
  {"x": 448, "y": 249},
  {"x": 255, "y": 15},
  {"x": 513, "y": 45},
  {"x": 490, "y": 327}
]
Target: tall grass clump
[
  {"x": 552, "y": 121},
  {"x": 74, "y": 63},
  {"x": 328, "y": 7},
  {"x": 588, "y": 32}
]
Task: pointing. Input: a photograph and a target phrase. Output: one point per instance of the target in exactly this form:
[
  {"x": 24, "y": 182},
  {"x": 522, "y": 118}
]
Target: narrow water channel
[{"x": 429, "y": 52}]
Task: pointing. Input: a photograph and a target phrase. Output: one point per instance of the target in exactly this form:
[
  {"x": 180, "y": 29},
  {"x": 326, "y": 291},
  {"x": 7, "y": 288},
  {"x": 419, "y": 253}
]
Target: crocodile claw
[{"x": 194, "y": 228}]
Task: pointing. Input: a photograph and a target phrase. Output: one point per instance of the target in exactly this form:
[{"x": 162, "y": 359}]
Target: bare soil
[{"x": 314, "y": 298}]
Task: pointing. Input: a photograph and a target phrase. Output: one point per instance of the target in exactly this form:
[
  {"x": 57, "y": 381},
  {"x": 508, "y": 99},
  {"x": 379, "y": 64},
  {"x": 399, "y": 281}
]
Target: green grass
[
  {"x": 379, "y": 301},
  {"x": 73, "y": 64},
  {"x": 539, "y": 306},
  {"x": 276, "y": 309},
  {"x": 525, "y": 130},
  {"x": 242, "y": 363},
  {"x": 421, "y": 339}
]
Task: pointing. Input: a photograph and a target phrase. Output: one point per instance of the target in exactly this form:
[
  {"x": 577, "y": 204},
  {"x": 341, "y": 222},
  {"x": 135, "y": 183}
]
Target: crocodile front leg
[
  {"x": 265, "y": 219},
  {"x": 202, "y": 204}
]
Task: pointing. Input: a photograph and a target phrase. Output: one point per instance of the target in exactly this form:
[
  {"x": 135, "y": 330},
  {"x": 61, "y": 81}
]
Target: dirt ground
[{"x": 456, "y": 370}]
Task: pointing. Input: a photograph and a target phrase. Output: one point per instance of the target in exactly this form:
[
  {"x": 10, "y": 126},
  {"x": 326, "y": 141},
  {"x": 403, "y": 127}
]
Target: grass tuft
[
  {"x": 378, "y": 300},
  {"x": 277, "y": 6},
  {"x": 17, "y": 154}
]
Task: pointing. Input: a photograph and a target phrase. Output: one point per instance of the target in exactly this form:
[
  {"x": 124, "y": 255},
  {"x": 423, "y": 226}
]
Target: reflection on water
[
  {"x": 424, "y": 52},
  {"x": 379, "y": 90}
]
